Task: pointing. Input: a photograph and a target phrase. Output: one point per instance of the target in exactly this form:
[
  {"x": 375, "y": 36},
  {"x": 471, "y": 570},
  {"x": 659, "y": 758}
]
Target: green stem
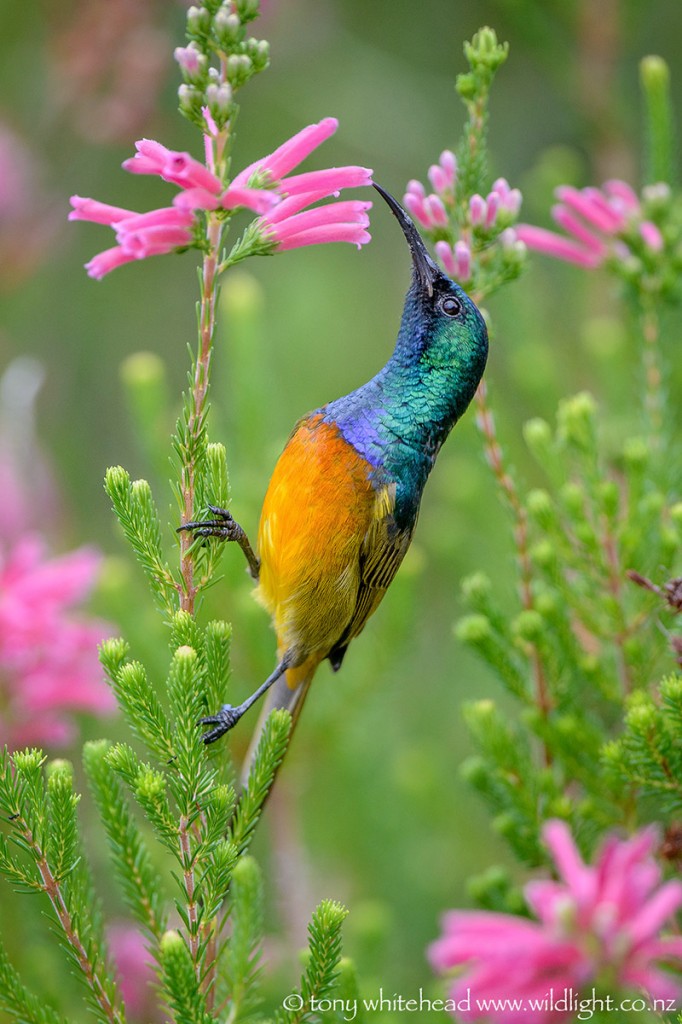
[{"x": 198, "y": 406}]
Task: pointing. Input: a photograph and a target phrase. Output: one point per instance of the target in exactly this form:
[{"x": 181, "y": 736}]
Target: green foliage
[
  {"x": 584, "y": 642},
  {"x": 20, "y": 1004},
  {"x": 321, "y": 972},
  {"x": 136, "y": 873},
  {"x": 485, "y": 56},
  {"x": 242, "y": 956},
  {"x": 134, "y": 507},
  {"x": 41, "y": 807},
  {"x": 647, "y": 757},
  {"x": 655, "y": 79}
]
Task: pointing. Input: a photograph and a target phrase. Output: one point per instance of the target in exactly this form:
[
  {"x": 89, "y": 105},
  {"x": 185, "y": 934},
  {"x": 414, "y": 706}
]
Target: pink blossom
[
  {"x": 622, "y": 196},
  {"x": 598, "y": 222},
  {"x": 462, "y": 260},
  {"x": 446, "y": 256},
  {"x": 492, "y": 206},
  {"x": 651, "y": 235},
  {"x": 291, "y": 153},
  {"x": 509, "y": 198},
  {"x": 556, "y": 245},
  {"x": 414, "y": 203},
  {"x": 172, "y": 228},
  {"x": 106, "y": 261},
  {"x": 96, "y": 212},
  {"x": 179, "y": 168},
  {"x": 443, "y": 174},
  {"x": 436, "y": 211},
  {"x": 189, "y": 58},
  {"x": 598, "y": 925},
  {"x": 285, "y": 225},
  {"x": 334, "y": 222},
  {"x": 477, "y": 209},
  {"x": 48, "y": 654},
  {"x": 134, "y": 966}
]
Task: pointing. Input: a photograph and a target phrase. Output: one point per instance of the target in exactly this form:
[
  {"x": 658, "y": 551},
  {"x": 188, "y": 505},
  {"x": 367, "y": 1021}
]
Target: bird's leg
[
  {"x": 228, "y": 716},
  {"x": 224, "y": 527}
]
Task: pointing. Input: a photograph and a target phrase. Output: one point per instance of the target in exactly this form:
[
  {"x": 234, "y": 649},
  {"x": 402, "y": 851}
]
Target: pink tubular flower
[
  {"x": 443, "y": 174},
  {"x": 447, "y": 257},
  {"x": 285, "y": 225},
  {"x": 599, "y": 223},
  {"x": 556, "y": 245},
  {"x": 262, "y": 187},
  {"x": 335, "y": 222},
  {"x": 599, "y": 925},
  {"x": 48, "y": 655}
]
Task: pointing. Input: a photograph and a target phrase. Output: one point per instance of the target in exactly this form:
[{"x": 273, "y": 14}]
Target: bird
[{"x": 342, "y": 503}]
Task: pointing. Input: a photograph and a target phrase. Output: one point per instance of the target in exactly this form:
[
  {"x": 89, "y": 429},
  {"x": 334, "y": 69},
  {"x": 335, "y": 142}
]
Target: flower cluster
[
  {"x": 48, "y": 655},
  {"x": 599, "y": 223},
  {"x": 599, "y": 925},
  {"x": 266, "y": 187},
  {"x": 463, "y": 229}
]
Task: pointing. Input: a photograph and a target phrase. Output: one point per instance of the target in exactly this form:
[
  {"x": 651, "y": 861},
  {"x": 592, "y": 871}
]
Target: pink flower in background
[
  {"x": 598, "y": 925},
  {"x": 135, "y": 970},
  {"x": 265, "y": 187},
  {"x": 48, "y": 653},
  {"x": 594, "y": 221}
]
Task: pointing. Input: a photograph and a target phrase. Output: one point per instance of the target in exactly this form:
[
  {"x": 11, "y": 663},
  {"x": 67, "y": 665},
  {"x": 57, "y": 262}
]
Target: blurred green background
[{"x": 369, "y": 808}]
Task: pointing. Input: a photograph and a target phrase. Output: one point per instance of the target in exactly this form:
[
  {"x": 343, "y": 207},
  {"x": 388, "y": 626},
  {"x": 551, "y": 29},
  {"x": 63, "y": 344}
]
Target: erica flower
[
  {"x": 598, "y": 925},
  {"x": 598, "y": 223},
  {"x": 265, "y": 187},
  {"x": 462, "y": 233},
  {"x": 48, "y": 652}
]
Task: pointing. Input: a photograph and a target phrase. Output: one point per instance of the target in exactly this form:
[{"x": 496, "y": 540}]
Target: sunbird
[{"x": 342, "y": 503}]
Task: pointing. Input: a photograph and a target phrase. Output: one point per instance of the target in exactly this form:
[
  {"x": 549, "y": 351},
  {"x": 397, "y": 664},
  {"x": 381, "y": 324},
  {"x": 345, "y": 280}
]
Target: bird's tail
[{"x": 288, "y": 692}]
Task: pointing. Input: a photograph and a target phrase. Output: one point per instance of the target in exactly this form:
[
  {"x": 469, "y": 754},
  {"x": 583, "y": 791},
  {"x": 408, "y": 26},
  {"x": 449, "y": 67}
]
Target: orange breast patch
[{"x": 318, "y": 508}]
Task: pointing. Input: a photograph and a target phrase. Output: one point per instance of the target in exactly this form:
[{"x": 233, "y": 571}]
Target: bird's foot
[
  {"x": 223, "y": 721},
  {"x": 224, "y": 526}
]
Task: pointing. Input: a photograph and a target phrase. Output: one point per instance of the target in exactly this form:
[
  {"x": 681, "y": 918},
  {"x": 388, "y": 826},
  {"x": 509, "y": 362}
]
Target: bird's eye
[{"x": 451, "y": 306}]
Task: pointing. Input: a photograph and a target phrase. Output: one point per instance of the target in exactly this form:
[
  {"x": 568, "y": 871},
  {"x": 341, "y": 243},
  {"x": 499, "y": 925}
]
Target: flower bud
[
  {"x": 192, "y": 62},
  {"x": 576, "y": 420},
  {"x": 476, "y": 587},
  {"x": 473, "y": 629},
  {"x": 247, "y": 9},
  {"x": 259, "y": 52},
  {"x": 529, "y": 625},
  {"x": 538, "y": 435},
  {"x": 190, "y": 100},
  {"x": 219, "y": 101},
  {"x": 239, "y": 69},
  {"x": 198, "y": 22},
  {"x": 541, "y": 508},
  {"x": 227, "y": 29}
]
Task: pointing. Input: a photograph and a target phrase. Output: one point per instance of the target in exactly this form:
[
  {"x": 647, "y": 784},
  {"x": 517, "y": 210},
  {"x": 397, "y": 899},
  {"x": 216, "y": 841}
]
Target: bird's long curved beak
[{"x": 425, "y": 269}]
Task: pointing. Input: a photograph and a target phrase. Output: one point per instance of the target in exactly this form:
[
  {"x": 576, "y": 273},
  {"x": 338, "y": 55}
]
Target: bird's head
[{"x": 442, "y": 329}]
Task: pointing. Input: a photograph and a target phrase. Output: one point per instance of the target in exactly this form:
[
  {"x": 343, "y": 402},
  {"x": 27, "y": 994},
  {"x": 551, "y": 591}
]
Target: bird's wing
[{"x": 382, "y": 551}]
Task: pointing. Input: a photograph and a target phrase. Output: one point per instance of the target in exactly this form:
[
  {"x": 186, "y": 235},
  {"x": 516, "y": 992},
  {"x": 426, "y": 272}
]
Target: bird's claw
[
  {"x": 223, "y": 721},
  {"x": 223, "y": 526}
]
